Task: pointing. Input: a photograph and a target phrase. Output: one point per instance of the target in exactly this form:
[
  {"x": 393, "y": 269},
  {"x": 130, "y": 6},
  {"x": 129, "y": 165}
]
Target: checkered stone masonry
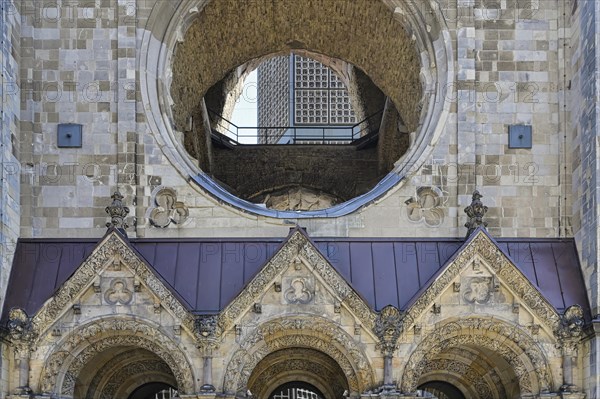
[{"x": 10, "y": 115}]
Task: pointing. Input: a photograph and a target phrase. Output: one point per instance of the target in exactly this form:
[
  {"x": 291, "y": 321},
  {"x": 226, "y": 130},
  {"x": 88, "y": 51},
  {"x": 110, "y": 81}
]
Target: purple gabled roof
[{"x": 207, "y": 274}]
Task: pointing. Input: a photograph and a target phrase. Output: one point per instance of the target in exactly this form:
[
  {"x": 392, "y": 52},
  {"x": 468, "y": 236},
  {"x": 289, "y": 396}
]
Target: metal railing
[{"x": 294, "y": 134}]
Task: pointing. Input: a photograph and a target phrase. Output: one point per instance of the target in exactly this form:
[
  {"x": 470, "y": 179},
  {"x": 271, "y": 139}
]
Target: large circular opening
[{"x": 356, "y": 114}]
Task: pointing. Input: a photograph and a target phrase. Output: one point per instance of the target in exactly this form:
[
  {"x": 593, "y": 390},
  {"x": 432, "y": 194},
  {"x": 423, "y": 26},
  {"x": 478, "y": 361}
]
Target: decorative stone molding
[
  {"x": 475, "y": 212},
  {"x": 63, "y": 366},
  {"x": 292, "y": 332},
  {"x": 508, "y": 341},
  {"x": 298, "y": 245},
  {"x": 388, "y": 327},
  {"x": 117, "y": 212},
  {"x": 112, "y": 245},
  {"x": 506, "y": 272},
  {"x": 167, "y": 209},
  {"x": 426, "y": 207}
]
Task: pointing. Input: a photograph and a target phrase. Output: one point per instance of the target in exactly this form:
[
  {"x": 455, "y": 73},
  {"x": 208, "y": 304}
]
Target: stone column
[
  {"x": 207, "y": 384},
  {"x": 207, "y": 333},
  {"x": 21, "y": 336}
]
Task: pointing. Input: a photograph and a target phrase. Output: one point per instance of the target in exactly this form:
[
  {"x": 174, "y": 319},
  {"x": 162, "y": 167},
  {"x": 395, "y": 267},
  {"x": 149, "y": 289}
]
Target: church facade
[{"x": 449, "y": 252}]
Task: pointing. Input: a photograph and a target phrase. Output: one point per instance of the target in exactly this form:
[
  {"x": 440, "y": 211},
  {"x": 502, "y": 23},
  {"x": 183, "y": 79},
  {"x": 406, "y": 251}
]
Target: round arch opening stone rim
[{"x": 166, "y": 27}]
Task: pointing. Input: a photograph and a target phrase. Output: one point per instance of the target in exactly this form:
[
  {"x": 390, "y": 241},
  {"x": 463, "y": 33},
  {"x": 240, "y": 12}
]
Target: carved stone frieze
[
  {"x": 307, "y": 332},
  {"x": 76, "y": 350},
  {"x": 297, "y": 245},
  {"x": 83, "y": 278},
  {"x": 515, "y": 346},
  {"x": 482, "y": 246},
  {"x": 167, "y": 209}
]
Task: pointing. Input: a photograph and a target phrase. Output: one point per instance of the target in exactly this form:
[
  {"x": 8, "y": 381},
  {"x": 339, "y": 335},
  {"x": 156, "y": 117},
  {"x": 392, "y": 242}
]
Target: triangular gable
[
  {"x": 113, "y": 247},
  {"x": 298, "y": 246},
  {"x": 481, "y": 244}
]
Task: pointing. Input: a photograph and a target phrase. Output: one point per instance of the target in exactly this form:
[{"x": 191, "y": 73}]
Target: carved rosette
[
  {"x": 388, "y": 327},
  {"x": 570, "y": 329}
]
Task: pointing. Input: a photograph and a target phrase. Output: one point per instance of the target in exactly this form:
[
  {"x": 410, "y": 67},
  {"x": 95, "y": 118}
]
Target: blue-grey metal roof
[{"x": 207, "y": 274}]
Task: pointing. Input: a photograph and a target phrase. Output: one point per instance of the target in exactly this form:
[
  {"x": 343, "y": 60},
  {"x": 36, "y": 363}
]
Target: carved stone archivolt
[
  {"x": 280, "y": 367},
  {"x": 293, "y": 332},
  {"x": 112, "y": 245},
  {"x": 63, "y": 366},
  {"x": 113, "y": 375},
  {"x": 297, "y": 247},
  {"x": 482, "y": 246},
  {"x": 167, "y": 209},
  {"x": 516, "y": 347}
]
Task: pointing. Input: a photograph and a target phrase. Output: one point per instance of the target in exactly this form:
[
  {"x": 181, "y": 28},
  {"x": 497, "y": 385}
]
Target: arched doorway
[
  {"x": 442, "y": 390},
  {"x": 298, "y": 373},
  {"x": 296, "y": 390},
  {"x": 154, "y": 390},
  {"x": 477, "y": 359},
  {"x": 125, "y": 372}
]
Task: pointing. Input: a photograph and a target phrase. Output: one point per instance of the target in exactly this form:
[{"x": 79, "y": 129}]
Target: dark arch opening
[
  {"x": 151, "y": 390},
  {"x": 443, "y": 390},
  {"x": 296, "y": 390}
]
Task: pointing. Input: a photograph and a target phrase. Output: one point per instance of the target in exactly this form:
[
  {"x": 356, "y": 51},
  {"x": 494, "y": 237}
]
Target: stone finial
[
  {"x": 117, "y": 212},
  {"x": 475, "y": 212}
]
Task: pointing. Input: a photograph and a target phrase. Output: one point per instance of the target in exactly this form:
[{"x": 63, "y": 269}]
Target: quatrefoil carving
[
  {"x": 168, "y": 210},
  {"x": 299, "y": 292},
  {"x": 427, "y": 207},
  {"x": 118, "y": 293}
]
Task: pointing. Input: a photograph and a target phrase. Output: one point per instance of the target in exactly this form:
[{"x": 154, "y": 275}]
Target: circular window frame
[{"x": 437, "y": 78}]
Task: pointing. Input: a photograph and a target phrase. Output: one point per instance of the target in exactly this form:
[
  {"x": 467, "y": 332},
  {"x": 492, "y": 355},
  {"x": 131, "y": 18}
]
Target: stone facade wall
[
  {"x": 10, "y": 140},
  {"x": 583, "y": 123},
  {"x": 521, "y": 187}
]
